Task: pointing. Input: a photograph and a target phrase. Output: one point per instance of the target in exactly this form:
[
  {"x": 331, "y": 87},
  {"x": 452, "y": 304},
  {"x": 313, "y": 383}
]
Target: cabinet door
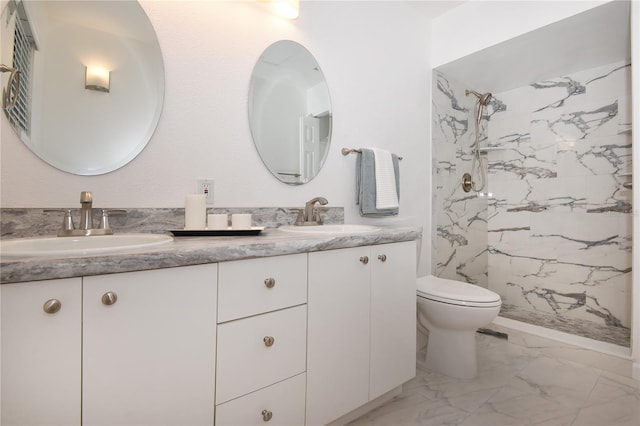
[
  {"x": 393, "y": 316},
  {"x": 338, "y": 333},
  {"x": 41, "y": 352},
  {"x": 149, "y": 358}
]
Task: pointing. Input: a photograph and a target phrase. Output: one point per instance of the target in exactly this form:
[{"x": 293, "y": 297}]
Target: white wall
[{"x": 373, "y": 54}]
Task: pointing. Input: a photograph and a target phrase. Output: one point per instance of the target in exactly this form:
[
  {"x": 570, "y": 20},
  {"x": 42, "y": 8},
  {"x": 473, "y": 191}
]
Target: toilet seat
[{"x": 456, "y": 292}]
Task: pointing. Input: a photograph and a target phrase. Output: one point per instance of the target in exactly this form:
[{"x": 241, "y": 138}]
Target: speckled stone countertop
[{"x": 185, "y": 251}]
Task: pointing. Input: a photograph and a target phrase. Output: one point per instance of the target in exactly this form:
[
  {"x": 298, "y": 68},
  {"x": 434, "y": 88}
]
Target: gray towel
[{"x": 366, "y": 184}]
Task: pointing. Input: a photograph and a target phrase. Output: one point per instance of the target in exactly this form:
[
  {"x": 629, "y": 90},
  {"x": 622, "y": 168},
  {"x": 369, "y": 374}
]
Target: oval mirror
[
  {"x": 92, "y": 81},
  {"x": 290, "y": 112}
]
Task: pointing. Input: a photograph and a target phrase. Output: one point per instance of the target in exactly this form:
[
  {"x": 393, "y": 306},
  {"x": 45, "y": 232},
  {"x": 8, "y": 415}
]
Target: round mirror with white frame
[
  {"x": 290, "y": 112},
  {"x": 93, "y": 86}
]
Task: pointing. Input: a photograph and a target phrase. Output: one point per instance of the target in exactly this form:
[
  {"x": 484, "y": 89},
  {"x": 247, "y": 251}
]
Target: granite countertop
[{"x": 185, "y": 251}]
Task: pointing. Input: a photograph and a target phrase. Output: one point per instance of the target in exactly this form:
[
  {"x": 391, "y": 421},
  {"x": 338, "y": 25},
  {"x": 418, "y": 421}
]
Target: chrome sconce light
[
  {"x": 10, "y": 93},
  {"x": 97, "y": 79}
]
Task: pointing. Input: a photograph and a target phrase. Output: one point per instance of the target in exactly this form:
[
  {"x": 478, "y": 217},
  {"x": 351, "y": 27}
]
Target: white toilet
[{"x": 452, "y": 311}]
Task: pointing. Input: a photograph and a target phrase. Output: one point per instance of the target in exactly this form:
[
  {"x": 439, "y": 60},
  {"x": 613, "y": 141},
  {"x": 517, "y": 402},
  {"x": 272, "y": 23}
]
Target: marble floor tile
[{"x": 525, "y": 380}]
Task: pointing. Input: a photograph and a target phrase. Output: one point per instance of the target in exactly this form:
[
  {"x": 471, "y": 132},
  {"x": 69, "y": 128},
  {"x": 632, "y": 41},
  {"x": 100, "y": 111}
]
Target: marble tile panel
[
  {"x": 624, "y": 113},
  {"x": 517, "y": 101},
  {"x": 509, "y": 130},
  {"x": 586, "y": 120},
  {"x": 600, "y": 82},
  {"x": 595, "y": 156},
  {"x": 552, "y": 94},
  {"x": 606, "y": 194},
  {"x": 557, "y": 195},
  {"x": 523, "y": 161}
]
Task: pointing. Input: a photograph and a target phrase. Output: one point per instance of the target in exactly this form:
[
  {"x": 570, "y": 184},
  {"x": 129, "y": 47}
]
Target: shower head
[{"x": 483, "y": 99}]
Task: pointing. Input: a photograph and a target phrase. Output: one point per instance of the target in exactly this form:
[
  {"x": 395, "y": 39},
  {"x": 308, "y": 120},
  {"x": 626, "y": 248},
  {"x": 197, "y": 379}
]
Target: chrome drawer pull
[
  {"x": 52, "y": 306},
  {"x": 268, "y": 341},
  {"x": 266, "y": 415},
  {"x": 270, "y": 282}
]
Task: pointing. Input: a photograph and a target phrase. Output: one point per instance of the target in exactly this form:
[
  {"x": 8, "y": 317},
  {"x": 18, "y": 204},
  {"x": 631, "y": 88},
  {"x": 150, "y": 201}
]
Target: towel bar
[{"x": 347, "y": 151}]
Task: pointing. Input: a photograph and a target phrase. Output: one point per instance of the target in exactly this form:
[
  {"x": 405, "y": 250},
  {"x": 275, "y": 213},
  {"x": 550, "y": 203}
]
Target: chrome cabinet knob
[
  {"x": 382, "y": 258},
  {"x": 364, "y": 259},
  {"x": 52, "y": 306},
  {"x": 270, "y": 282},
  {"x": 109, "y": 298},
  {"x": 266, "y": 415},
  {"x": 268, "y": 341}
]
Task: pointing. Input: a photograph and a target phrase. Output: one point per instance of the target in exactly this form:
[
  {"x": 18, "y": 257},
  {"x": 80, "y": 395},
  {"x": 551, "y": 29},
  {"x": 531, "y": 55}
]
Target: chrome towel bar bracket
[{"x": 347, "y": 151}]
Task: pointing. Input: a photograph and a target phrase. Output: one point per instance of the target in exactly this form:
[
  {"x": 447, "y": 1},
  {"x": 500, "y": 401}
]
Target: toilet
[{"x": 452, "y": 311}]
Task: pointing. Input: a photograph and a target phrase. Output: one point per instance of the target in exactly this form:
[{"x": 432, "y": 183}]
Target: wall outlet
[{"x": 205, "y": 187}]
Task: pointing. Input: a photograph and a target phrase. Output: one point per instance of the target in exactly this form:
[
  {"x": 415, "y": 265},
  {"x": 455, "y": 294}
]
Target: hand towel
[
  {"x": 366, "y": 184},
  {"x": 386, "y": 195}
]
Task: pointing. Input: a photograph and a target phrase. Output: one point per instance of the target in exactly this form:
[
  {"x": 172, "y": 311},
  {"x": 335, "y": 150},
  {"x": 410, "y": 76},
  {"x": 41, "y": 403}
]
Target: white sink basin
[
  {"x": 330, "y": 229},
  {"x": 67, "y": 246}
]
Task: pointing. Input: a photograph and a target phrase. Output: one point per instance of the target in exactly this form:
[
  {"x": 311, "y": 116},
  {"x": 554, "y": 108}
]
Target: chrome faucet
[
  {"x": 310, "y": 216},
  {"x": 86, "y": 211},
  {"x": 86, "y": 219}
]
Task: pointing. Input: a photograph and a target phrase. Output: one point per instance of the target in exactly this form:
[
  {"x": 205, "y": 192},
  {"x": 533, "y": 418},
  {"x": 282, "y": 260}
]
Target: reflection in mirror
[
  {"x": 67, "y": 51},
  {"x": 290, "y": 112}
]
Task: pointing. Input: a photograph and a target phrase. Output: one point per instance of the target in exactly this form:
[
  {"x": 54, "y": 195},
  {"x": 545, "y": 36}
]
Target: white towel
[{"x": 386, "y": 194}]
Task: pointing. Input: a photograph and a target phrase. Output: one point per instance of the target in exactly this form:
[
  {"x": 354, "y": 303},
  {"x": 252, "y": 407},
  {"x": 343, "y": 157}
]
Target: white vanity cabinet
[
  {"x": 294, "y": 339},
  {"x": 361, "y": 326},
  {"x": 41, "y": 352},
  {"x": 149, "y": 343},
  {"x": 262, "y": 344}
]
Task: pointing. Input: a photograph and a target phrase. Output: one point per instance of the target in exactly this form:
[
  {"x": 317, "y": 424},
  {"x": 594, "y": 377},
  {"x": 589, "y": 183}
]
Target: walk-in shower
[{"x": 478, "y": 169}]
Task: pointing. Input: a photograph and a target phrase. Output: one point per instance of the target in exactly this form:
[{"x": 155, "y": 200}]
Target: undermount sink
[
  {"x": 67, "y": 246},
  {"x": 330, "y": 229}
]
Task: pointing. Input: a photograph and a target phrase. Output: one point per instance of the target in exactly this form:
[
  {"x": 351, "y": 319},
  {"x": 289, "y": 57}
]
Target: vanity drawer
[
  {"x": 282, "y": 404},
  {"x": 255, "y": 286},
  {"x": 247, "y": 360}
]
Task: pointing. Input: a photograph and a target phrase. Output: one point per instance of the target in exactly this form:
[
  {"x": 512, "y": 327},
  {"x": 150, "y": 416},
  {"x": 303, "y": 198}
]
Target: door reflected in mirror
[
  {"x": 68, "y": 118},
  {"x": 290, "y": 112}
]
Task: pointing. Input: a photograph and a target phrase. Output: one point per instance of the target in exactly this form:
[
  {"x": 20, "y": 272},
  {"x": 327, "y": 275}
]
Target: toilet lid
[{"x": 455, "y": 292}]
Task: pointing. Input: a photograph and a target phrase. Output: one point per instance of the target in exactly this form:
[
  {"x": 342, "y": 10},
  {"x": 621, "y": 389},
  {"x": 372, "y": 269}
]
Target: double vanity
[{"x": 283, "y": 327}]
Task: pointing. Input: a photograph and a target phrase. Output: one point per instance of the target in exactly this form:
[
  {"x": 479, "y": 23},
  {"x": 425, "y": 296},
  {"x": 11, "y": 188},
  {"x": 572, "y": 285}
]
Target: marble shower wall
[
  {"x": 459, "y": 248},
  {"x": 551, "y": 232},
  {"x": 559, "y": 216}
]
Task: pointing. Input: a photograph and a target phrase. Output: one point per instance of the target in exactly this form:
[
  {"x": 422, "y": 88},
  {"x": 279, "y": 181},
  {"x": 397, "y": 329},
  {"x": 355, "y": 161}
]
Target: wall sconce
[
  {"x": 289, "y": 9},
  {"x": 97, "y": 79}
]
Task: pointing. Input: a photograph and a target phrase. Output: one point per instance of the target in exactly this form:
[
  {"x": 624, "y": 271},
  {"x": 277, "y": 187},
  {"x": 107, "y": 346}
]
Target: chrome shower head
[{"x": 483, "y": 99}]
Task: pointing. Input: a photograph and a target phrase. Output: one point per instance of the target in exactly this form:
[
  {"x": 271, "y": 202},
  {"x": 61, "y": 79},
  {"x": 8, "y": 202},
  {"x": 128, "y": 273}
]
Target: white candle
[
  {"x": 217, "y": 221},
  {"x": 241, "y": 221},
  {"x": 195, "y": 211}
]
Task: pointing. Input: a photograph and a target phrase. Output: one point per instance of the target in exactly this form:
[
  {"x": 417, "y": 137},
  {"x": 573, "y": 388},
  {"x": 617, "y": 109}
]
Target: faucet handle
[
  {"x": 300, "y": 217},
  {"x": 104, "y": 220},
  {"x": 67, "y": 222}
]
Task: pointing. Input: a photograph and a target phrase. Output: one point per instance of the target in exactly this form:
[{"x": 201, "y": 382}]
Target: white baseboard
[{"x": 571, "y": 339}]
